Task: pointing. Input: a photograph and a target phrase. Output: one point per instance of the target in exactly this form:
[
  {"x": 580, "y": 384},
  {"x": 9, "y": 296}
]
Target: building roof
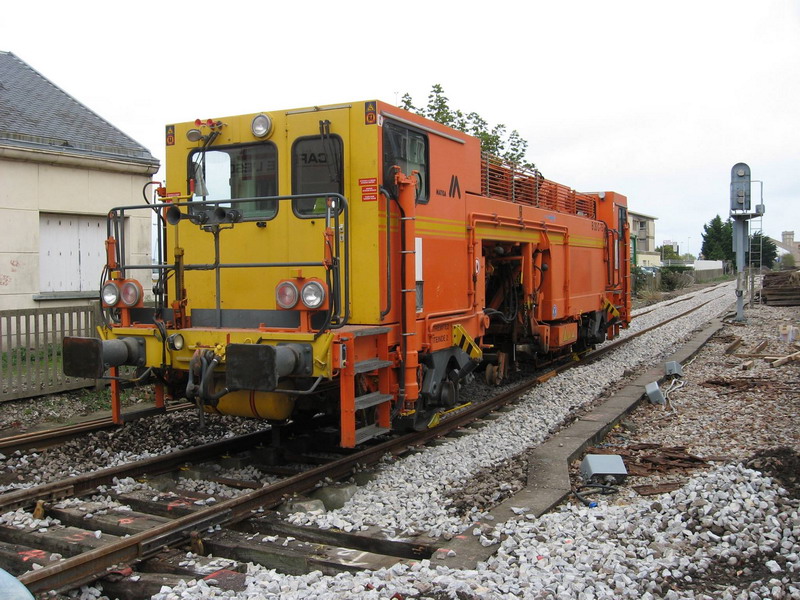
[
  {"x": 37, "y": 114},
  {"x": 642, "y": 215}
]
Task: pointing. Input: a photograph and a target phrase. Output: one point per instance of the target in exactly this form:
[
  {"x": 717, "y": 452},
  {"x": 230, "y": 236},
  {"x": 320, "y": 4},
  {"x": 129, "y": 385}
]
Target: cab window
[
  {"x": 317, "y": 168},
  {"x": 407, "y": 149},
  {"x": 243, "y": 171}
]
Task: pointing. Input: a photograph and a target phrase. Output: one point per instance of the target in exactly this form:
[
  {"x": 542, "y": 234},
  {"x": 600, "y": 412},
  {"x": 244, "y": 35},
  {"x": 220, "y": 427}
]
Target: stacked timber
[{"x": 781, "y": 288}]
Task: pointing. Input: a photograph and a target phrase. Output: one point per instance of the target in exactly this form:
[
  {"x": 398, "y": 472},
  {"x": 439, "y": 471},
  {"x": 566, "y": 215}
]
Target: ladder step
[
  {"x": 372, "y": 399},
  {"x": 369, "y": 432},
  {"x": 365, "y": 366}
]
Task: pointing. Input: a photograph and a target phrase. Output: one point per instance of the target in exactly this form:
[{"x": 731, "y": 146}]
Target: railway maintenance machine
[{"x": 347, "y": 268}]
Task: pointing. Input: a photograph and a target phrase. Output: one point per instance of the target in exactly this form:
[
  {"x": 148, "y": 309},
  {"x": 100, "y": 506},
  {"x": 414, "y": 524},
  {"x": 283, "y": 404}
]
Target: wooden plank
[
  {"x": 295, "y": 557},
  {"x": 137, "y": 585},
  {"x": 270, "y": 523},
  {"x": 174, "y": 561},
  {"x": 17, "y": 378},
  {"x": 67, "y": 541},
  {"x": 733, "y": 345},
  {"x": 761, "y": 346},
  {"x": 786, "y": 359},
  {"x": 747, "y": 365},
  {"x": 37, "y": 379}
]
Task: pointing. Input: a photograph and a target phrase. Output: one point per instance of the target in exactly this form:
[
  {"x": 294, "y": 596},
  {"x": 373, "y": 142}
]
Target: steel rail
[{"x": 90, "y": 565}]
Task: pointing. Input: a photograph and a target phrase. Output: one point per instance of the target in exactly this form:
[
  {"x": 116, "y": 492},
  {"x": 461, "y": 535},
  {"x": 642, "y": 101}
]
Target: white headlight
[
  {"x": 261, "y": 126},
  {"x": 313, "y": 294},
  {"x": 175, "y": 341},
  {"x": 110, "y": 294}
]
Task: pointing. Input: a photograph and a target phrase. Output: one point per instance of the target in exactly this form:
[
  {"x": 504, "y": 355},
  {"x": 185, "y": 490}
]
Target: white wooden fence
[{"x": 31, "y": 340}]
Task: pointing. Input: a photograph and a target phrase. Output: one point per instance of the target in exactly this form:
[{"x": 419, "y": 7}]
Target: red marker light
[{"x": 198, "y": 122}]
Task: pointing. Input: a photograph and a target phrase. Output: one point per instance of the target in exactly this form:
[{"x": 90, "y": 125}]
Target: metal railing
[
  {"x": 30, "y": 344},
  {"x": 508, "y": 181}
]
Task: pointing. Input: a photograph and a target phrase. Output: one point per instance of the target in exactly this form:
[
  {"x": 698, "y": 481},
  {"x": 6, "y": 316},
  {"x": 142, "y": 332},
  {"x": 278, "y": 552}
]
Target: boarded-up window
[{"x": 71, "y": 252}]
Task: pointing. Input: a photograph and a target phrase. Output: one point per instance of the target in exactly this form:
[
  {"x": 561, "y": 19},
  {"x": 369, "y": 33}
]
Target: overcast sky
[{"x": 655, "y": 100}]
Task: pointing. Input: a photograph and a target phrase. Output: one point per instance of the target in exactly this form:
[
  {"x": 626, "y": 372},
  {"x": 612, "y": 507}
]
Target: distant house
[
  {"x": 62, "y": 167},
  {"x": 788, "y": 245},
  {"x": 643, "y": 239}
]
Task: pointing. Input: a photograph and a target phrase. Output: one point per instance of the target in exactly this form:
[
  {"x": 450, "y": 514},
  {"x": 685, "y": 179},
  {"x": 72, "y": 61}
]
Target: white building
[
  {"x": 62, "y": 167},
  {"x": 643, "y": 239}
]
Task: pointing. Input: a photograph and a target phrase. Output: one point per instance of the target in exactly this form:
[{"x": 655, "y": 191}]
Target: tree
[
  {"x": 667, "y": 253},
  {"x": 511, "y": 147},
  {"x": 787, "y": 261},
  {"x": 769, "y": 251},
  {"x": 718, "y": 240}
]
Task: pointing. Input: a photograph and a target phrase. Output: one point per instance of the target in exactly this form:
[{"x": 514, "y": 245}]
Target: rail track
[{"x": 96, "y": 544}]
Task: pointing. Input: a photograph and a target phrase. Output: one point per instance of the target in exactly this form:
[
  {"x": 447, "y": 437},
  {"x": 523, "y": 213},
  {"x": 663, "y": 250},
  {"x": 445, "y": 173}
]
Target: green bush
[
  {"x": 640, "y": 279},
  {"x": 675, "y": 278}
]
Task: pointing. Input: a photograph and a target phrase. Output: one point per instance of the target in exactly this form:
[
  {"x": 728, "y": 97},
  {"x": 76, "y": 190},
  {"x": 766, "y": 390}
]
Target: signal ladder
[{"x": 755, "y": 254}]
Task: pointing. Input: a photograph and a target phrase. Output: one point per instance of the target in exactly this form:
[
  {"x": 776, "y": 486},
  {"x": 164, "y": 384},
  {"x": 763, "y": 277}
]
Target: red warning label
[{"x": 368, "y": 181}]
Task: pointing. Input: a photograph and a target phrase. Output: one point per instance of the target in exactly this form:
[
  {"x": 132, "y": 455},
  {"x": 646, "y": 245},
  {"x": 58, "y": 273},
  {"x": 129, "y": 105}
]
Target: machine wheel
[{"x": 449, "y": 394}]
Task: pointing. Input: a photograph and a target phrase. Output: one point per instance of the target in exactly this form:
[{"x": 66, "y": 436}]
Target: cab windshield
[{"x": 242, "y": 171}]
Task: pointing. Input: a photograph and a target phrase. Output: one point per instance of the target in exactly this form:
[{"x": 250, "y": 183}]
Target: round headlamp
[
  {"x": 175, "y": 341},
  {"x": 110, "y": 294},
  {"x": 313, "y": 294},
  {"x": 286, "y": 294},
  {"x": 131, "y": 293},
  {"x": 261, "y": 125}
]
